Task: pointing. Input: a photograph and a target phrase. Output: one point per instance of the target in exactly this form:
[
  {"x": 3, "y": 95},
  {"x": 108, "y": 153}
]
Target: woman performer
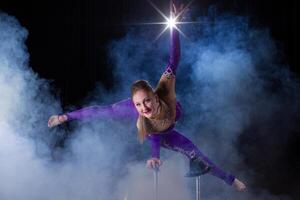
[{"x": 156, "y": 112}]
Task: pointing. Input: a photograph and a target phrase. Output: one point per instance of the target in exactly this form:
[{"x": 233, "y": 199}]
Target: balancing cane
[{"x": 155, "y": 172}]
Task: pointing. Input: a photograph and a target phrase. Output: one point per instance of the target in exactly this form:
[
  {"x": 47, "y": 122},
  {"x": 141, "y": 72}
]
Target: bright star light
[{"x": 171, "y": 21}]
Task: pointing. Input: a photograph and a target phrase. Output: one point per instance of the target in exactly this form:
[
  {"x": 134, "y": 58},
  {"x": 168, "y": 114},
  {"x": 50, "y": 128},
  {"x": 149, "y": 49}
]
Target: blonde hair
[{"x": 136, "y": 86}]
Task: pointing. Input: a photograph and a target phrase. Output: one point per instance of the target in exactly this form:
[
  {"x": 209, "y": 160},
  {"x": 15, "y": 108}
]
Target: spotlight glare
[{"x": 171, "y": 22}]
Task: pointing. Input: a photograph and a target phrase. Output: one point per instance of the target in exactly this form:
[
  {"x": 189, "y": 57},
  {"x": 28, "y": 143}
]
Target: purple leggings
[
  {"x": 170, "y": 139},
  {"x": 175, "y": 141}
]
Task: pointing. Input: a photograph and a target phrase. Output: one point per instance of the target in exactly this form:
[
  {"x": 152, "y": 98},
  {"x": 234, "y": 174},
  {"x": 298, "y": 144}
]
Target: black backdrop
[{"x": 68, "y": 39}]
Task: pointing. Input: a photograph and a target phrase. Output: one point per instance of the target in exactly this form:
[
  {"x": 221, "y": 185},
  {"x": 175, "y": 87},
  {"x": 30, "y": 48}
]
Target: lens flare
[{"x": 171, "y": 22}]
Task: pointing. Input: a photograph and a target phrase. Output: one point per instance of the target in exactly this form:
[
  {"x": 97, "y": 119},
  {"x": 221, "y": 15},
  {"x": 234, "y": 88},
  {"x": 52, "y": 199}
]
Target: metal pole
[
  {"x": 156, "y": 170},
  {"x": 198, "y": 188}
]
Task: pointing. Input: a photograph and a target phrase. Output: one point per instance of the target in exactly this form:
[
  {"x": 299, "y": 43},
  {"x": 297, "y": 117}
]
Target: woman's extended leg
[{"x": 177, "y": 142}]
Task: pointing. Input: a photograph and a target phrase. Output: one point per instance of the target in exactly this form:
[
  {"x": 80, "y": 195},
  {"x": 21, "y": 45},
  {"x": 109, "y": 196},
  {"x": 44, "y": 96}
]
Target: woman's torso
[{"x": 170, "y": 113}]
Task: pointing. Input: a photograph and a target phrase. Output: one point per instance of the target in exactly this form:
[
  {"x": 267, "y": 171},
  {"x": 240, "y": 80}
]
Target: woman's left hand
[{"x": 55, "y": 120}]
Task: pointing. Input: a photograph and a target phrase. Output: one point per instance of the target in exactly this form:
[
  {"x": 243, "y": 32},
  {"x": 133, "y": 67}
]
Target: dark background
[
  {"x": 68, "y": 39},
  {"x": 68, "y": 42}
]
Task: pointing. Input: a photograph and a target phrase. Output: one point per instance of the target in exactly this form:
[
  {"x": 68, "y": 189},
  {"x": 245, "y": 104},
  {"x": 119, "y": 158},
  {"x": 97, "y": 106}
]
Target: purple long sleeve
[
  {"x": 174, "y": 52},
  {"x": 121, "y": 110},
  {"x": 155, "y": 145}
]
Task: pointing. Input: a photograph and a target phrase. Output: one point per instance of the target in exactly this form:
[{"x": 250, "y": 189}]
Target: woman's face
[{"x": 146, "y": 103}]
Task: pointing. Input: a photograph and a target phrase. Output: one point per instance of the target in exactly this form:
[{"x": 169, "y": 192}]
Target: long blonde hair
[{"x": 136, "y": 86}]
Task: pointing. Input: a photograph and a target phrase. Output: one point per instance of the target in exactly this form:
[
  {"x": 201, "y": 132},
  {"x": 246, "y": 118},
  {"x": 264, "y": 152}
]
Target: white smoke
[{"x": 90, "y": 166}]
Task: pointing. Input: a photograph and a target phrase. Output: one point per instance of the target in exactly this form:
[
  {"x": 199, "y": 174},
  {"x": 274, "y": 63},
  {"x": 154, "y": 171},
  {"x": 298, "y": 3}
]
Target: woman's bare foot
[{"x": 238, "y": 185}]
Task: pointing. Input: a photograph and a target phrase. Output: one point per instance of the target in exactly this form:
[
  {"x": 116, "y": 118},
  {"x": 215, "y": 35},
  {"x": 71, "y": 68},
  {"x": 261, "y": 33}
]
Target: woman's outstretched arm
[{"x": 121, "y": 110}]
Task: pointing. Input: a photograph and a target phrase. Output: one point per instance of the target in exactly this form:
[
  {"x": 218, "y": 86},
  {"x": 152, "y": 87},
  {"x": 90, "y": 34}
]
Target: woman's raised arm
[{"x": 166, "y": 85}]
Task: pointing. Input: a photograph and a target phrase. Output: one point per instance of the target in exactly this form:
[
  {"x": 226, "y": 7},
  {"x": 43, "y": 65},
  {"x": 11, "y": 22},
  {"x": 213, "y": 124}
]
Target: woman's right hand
[
  {"x": 154, "y": 163},
  {"x": 55, "y": 120}
]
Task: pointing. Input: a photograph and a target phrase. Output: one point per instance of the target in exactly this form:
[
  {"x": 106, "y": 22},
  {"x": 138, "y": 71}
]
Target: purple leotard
[{"x": 170, "y": 138}]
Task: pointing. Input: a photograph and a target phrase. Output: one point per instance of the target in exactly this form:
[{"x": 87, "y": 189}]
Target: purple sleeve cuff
[
  {"x": 120, "y": 110},
  {"x": 229, "y": 180},
  {"x": 155, "y": 145}
]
